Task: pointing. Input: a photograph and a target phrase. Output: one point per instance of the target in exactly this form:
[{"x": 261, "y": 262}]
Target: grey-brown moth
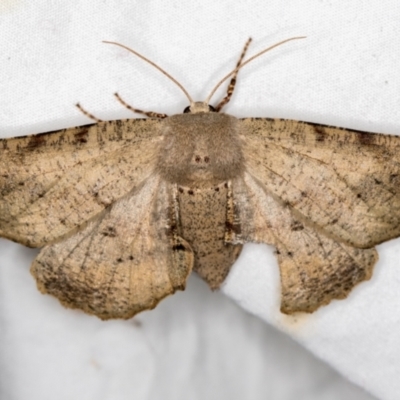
[{"x": 126, "y": 209}]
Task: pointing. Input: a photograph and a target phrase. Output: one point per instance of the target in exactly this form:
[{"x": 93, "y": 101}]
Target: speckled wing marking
[
  {"x": 122, "y": 263},
  {"x": 323, "y": 196},
  {"x": 345, "y": 183},
  {"x": 53, "y": 183},
  {"x": 314, "y": 268}
]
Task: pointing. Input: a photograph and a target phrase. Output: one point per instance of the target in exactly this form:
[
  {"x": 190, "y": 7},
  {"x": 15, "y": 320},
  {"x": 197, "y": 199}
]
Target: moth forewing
[
  {"x": 52, "y": 183},
  {"x": 313, "y": 169}
]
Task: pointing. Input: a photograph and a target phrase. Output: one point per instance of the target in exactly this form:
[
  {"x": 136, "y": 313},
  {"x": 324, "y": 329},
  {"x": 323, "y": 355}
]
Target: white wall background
[{"x": 197, "y": 344}]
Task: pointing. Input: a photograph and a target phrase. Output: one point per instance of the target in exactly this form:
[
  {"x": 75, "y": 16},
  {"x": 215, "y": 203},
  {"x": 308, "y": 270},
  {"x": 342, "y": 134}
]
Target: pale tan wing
[
  {"x": 124, "y": 262},
  {"x": 314, "y": 269},
  {"x": 52, "y": 183},
  {"x": 345, "y": 182}
]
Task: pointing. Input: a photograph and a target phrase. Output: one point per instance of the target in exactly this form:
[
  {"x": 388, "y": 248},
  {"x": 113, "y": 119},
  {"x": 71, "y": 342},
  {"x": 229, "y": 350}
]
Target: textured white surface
[
  {"x": 197, "y": 343},
  {"x": 194, "y": 345}
]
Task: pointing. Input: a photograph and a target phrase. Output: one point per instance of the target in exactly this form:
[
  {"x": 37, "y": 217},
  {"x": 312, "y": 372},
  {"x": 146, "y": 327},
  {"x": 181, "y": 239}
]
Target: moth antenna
[
  {"x": 234, "y": 72},
  {"x": 87, "y": 113},
  {"x": 155, "y": 66},
  {"x": 232, "y": 83},
  {"x": 150, "y": 114}
]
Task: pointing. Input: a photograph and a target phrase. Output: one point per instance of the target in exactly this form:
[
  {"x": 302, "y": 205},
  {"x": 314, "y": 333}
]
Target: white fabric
[{"x": 196, "y": 344}]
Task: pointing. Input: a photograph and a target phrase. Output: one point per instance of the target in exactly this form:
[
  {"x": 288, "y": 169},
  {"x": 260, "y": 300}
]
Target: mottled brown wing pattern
[
  {"x": 126, "y": 209},
  {"x": 314, "y": 268},
  {"x": 344, "y": 182},
  {"x": 323, "y": 196},
  {"x": 122, "y": 263},
  {"x": 52, "y": 183}
]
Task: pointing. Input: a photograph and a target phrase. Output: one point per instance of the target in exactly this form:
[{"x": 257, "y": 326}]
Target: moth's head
[{"x": 199, "y": 107}]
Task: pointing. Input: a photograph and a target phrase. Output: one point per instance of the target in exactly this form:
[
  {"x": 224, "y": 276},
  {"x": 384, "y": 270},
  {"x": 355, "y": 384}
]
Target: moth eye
[{"x": 210, "y": 108}]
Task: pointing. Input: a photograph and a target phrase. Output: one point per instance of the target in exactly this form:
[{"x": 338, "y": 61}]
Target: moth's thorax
[{"x": 200, "y": 148}]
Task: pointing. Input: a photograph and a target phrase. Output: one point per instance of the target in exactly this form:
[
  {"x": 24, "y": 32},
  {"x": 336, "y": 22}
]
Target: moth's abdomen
[
  {"x": 200, "y": 149},
  {"x": 204, "y": 222}
]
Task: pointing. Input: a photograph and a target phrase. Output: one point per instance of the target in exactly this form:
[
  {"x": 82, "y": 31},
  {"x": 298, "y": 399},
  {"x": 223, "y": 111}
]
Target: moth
[{"x": 126, "y": 209}]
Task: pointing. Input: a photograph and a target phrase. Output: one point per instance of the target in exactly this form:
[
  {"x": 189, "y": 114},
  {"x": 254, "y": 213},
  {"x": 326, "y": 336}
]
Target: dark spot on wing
[
  {"x": 377, "y": 181},
  {"x": 320, "y": 134},
  {"x": 178, "y": 247},
  {"x": 110, "y": 231},
  {"x": 36, "y": 141},
  {"x": 172, "y": 229},
  {"x": 296, "y": 226},
  {"x": 393, "y": 177},
  {"x": 81, "y": 136},
  {"x": 232, "y": 227},
  {"x": 365, "y": 138}
]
